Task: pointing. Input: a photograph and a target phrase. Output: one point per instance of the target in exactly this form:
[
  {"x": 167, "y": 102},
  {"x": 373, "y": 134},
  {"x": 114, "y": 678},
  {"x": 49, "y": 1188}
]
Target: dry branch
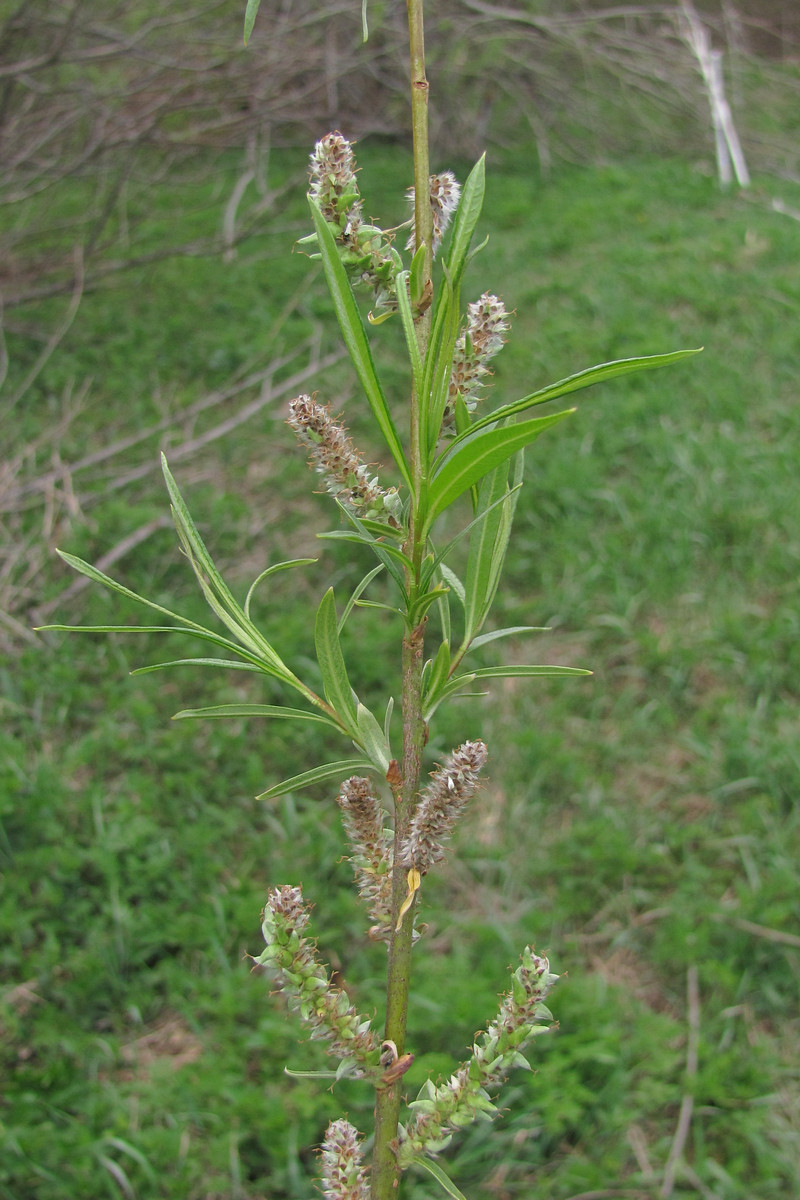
[{"x": 687, "y": 1102}]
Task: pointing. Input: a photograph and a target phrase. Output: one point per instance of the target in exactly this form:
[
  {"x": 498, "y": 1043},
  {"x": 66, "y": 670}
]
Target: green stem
[
  {"x": 385, "y": 1170},
  {"x": 385, "y": 1173}
]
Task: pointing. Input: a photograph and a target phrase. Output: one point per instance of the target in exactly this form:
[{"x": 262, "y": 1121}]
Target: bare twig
[
  {"x": 58, "y": 334},
  {"x": 785, "y": 209},
  {"x": 726, "y": 139},
  {"x": 778, "y": 936},
  {"x": 687, "y": 1103},
  {"x": 612, "y": 1194},
  {"x": 268, "y": 395}
]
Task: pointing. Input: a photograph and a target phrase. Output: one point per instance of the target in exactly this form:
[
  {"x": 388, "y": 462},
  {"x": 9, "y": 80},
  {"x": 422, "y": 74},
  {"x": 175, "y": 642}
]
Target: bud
[{"x": 452, "y": 786}]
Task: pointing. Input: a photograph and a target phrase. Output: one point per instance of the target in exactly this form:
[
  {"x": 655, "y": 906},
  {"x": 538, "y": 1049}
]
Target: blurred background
[{"x": 641, "y": 827}]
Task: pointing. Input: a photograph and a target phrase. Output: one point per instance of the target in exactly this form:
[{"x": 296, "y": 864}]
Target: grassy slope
[{"x": 634, "y": 826}]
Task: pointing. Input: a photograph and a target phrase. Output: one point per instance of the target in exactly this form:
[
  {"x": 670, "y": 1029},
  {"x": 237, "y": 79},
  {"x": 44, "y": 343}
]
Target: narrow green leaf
[
  {"x": 335, "y": 682},
  {"x": 513, "y": 672},
  {"x": 250, "y": 18},
  {"x": 453, "y": 582},
  {"x": 450, "y": 688},
  {"x": 78, "y": 564},
  {"x": 380, "y": 530},
  {"x": 348, "y": 766},
  {"x": 355, "y": 338},
  {"x": 404, "y": 307},
  {"x": 466, "y": 218},
  {"x": 443, "y": 605},
  {"x": 253, "y": 710},
  {"x": 388, "y": 554},
  {"x": 281, "y": 566},
  {"x": 390, "y": 608},
  {"x": 441, "y": 1177},
  {"x": 310, "y": 1074},
  {"x": 441, "y": 555},
  {"x": 363, "y": 539},
  {"x": 186, "y": 525},
  {"x": 583, "y": 379},
  {"x": 417, "y": 277},
  {"x": 361, "y": 587},
  {"x": 439, "y": 361},
  {"x": 423, "y": 603},
  {"x": 491, "y": 495},
  {"x": 371, "y": 739},
  {"x": 214, "y": 587},
  {"x": 509, "y": 631},
  {"x": 197, "y": 662},
  {"x": 439, "y": 671},
  {"x": 254, "y": 661},
  {"x": 444, "y": 327},
  {"x": 478, "y": 455}
]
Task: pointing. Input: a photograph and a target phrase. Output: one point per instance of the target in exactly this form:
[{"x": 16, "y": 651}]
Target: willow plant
[{"x": 396, "y": 819}]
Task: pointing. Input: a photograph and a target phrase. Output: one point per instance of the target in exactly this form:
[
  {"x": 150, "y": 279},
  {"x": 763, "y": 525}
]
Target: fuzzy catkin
[
  {"x": 442, "y": 1109},
  {"x": 362, "y": 816},
  {"x": 334, "y": 456},
  {"x": 476, "y": 345},
  {"x": 325, "y": 1009},
  {"x": 365, "y": 250},
  {"x": 452, "y": 786},
  {"x": 445, "y": 193},
  {"x": 333, "y": 183},
  {"x": 344, "y": 1177}
]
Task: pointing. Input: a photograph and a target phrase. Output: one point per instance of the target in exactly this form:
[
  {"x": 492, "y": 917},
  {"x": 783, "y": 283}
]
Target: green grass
[{"x": 633, "y": 826}]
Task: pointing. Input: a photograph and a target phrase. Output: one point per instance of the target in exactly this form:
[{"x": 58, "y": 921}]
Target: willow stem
[{"x": 385, "y": 1174}]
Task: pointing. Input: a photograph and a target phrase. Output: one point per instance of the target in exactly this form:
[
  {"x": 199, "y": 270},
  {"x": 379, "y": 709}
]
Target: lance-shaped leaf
[
  {"x": 407, "y": 318},
  {"x": 476, "y": 456},
  {"x": 372, "y": 739},
  {"x": 357, "y": 593},
  {"x": 451, "y": 580},
  {"x": 466, "y": 218},
  {"x": 250, "y": 18},
  {"x": 273, "y": 570},
  {"x": 450, "y": 688},
  {"x": 215, "y": 589},
  {"x": 335, "y": 770},
  {"x": 229, "y": 664},
  {"x": 509, "y": 631},
  {"x": 444, "y": 330},
  {"x": 438, "y": 671},
  {"x": 487, "y": 545},
  {"x": 515, "y": 671},
  {"x": 256, "y": 660},
  {"x": 438, "y": 1173},
  {"x": 335, "y": 682},
  {"x": 583, "y": 379},
  {"x": 457, "y": 683},
  {"x": 439, "y": 362},
  {"x": 355, "y": 338},
  {"x": 215, "y": 711}
]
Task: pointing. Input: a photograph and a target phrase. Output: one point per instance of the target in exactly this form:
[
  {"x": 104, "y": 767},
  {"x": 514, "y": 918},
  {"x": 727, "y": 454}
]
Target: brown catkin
[{"x": 452, "y": 785}]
